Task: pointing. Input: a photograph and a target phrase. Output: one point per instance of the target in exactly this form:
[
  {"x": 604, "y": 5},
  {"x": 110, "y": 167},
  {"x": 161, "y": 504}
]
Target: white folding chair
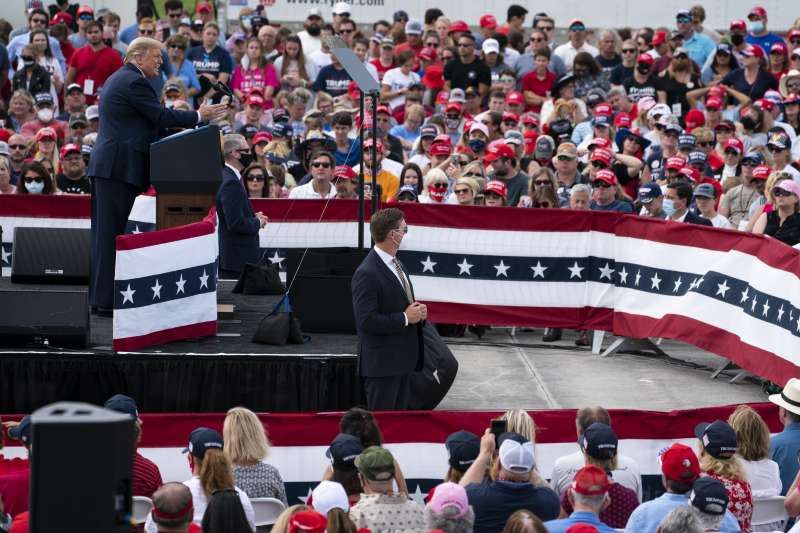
[
  {"x": 267, "y": 510},
  {"x": 768, "y": 512},
  {"x": 141, "y": 508}
]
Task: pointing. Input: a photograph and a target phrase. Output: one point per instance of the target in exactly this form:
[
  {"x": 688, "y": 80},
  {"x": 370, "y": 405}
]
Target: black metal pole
[
  {"x": 361, "y": 173},
  {"x": 375, "y": 96}
]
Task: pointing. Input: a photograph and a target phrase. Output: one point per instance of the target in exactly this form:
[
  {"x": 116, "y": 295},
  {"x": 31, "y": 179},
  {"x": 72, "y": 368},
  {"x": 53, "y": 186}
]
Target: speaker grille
[{"x": 51, "y": 255}]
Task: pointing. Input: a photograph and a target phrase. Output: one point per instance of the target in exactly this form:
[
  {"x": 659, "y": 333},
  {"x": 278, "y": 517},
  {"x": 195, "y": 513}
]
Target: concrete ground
[{"x": 502, "y": 371}]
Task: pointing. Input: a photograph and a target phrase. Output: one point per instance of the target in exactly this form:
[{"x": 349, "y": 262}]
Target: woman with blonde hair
[
  {"x": 753, "y": 435},
  {"x": 246, "y": 445},
  {"x": 520, "y": 422},
  {"x": 281, "y": 525},
  {"x": 465, "y": 191},
  {"x": 767, "y": 203},
  {"x": 716, "y": 449},
  {"x": 20, "y": 109}
]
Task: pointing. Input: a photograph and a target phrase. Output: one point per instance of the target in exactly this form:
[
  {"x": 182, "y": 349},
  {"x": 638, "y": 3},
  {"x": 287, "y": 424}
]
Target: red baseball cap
[
  {"x": 377, "y": 142},
  {"x": 453, "y": 106},
  {"x": 794, "y": 33},
  {"x": 598, "y": 142},
  {"x": 675, "y": 163},
  {"x": 779, "y": 46},
  {"x": 717, "y": 91},
  {"x": 606, "y": 176},
  {"x": 679, "y": 463},
  {"x": 45, "y": 132},
  {"x": 62, "y": 17},
  {"x": 434, "y": 79},
  {"x": 488, "y": 21},
  {"x": 738, "y": 24},
  {"x": 441, "y": 145},
  {"x": 346, "y": 172},
  {"x": 660, "y": 37},
  {"x": 758, "y": 11},
  {"x": 458, "y": 25},
  {"x": 529, "y": 140},
  {"x": 262, "y": 136},
  {"x": 695, "y": 119},
  {"x": 530, "y": 119},
  {"x": 383, "y": 109},
  {"x": 204, "y": 7},
  {"x": 766, "y": 105},
  {"x": 255, "y": 100},
  {"x": 515, "y": 98},
  {"x": 761, "y": 172},
  {"x": 444, "y": 96},
  {"x": 307, "y": 522},
  {"x": 353, "y": 91},
  {"x": 714, "y": 103},
  {"x": 734, "y": 143},
  {"x": 68, "y": 149},
  {"x": 508, "y": 115},
  {"x": 427, "y": 54},
  {"x": 497, "y": 187},
  {"x": 603, "y": 155},
  {"x": 753, "y": 51},
  {"x": 591, "y": 480},
  {"x": 691, "y": 173},
  {"x": 84, "y": 10},
  {"x": 603, "y": 108},
  {"x": 645, "y": 58},
  {"x": 498, "y": 149}
]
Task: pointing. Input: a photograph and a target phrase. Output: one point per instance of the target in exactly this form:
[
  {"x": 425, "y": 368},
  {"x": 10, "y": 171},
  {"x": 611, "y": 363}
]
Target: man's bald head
[{"x": 172, "y": 508}]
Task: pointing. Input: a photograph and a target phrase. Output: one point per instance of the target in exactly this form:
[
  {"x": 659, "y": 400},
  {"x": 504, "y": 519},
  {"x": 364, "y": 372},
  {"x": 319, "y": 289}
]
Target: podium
[{"x": 186, "y": 170}]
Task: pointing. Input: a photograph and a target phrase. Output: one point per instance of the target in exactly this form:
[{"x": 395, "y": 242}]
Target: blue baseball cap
[
  {"x": 718, "y": 438},
  {"x": 604, "y": 121},
  {"x": 343, "y": 451},
  {"x": 463, "y": 447},
  {"x": 753, "y": 156},
  {"x": 408, "y": 189},
  {"x": 122, "y": 404},
  {"x": 649, "y": 192},
  {"x": 23, "y": 431},
  {"x": 697, "y": 157},
  {"x": 281, "y": 129},
  {"x": 203, "y": 439}
]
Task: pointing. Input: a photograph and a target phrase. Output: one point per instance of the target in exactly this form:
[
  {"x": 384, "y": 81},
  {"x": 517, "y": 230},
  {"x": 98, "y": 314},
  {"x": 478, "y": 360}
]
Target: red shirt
[
  {"x": 14, "y": 491},
  {"x": 381, "y": 69},
  {"x": 95, "y": 66},
  {"x": 416, "y": 49},
  {"x": 67, "y": 49},
  {"x": 146, "y": 476},
  {"x": 538, "y": 87}
]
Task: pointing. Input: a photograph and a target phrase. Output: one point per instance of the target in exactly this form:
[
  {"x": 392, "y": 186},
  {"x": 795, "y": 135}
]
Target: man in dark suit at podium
[
  {"x": 237, "y": 224},
  {"x": 388, "y": 318},
  {"x": 130, "y": 117}
]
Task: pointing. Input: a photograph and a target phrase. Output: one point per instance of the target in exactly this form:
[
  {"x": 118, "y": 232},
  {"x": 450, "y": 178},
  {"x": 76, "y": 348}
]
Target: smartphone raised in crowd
[{"x": 497, "y": 428}]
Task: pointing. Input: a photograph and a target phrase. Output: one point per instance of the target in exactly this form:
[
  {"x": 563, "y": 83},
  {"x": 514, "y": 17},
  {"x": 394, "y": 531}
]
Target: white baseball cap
[
  {"x": 329, "y": 495},
  {"x": 340, "y": 8},
  {"x": 490, "y": 46},
  {"x": 517, "y": 457}
]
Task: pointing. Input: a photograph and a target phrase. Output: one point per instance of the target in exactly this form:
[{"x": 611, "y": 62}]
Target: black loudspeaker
[
  {"x": 51, "y": 255},
  {"x": 33, "y": 315},
  {"x": 81, "y": 469},
  {"x": 321, "y": 297}
]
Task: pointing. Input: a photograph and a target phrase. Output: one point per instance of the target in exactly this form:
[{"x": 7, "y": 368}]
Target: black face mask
[
  {"x": 643, "y": 69},
  {"x": 314, "y": 31},
  {"x": 749, "y": 123},
  {"x": 737, "y": 39},
  {"x": 245, "y": 159}
]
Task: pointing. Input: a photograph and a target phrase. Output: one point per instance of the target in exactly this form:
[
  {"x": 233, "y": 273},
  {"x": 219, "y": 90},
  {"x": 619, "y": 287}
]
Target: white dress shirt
[{"x": 307, "y": 192}]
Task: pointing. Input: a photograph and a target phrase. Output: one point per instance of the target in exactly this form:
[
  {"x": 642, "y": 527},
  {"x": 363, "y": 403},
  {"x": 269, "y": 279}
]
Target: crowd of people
[
  {"x": 679, "y": 122},
  {"x": 491, "y": 482}
]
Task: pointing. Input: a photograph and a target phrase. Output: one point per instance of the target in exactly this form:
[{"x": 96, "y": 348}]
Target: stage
[{"x": 198, "y": 375}]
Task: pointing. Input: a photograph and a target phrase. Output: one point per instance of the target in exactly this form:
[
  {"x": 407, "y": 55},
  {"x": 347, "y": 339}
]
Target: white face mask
[
  {"x": 45, "y": 114},
  {"x": 35, "y": 187},
  {"x": 169, "y": 103}
]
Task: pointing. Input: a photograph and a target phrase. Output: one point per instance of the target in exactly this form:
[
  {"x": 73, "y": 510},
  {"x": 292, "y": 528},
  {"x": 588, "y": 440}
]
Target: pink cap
[
  {"x": 789, "y": 185},
  {"x": 450, "y": 500}
]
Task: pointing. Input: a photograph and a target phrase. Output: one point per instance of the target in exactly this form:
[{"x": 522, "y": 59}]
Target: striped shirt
[{"x": 146, "y": 476}]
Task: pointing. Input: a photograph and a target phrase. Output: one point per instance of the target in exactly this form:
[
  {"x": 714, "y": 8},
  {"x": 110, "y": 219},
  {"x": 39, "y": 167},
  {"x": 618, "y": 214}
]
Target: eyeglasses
[
  {"x": 461, "y": 191},
  {"x": 601, "y": 184},
  {"x": 777, "y": 191},
  {"x": 542, "y": 183},
  {"x": 47, "y": 140},
  {"x": 629, "y": 50},
  {"x": 39, "y": 21},
  {"x": 432, "y": 44},
  {"x": 17, "y": 146},
  {"x": 320, "y": 164},
  {"x": 255, "y": 177},
  {"x": 176, "y": 46},
  {"x": 145, "y": 31},
  {"x": 546, "y": 28}
]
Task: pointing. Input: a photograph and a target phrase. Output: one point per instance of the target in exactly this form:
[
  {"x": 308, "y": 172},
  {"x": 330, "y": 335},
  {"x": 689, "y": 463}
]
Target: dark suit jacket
[
  {"x": 691, "y": 218},
  {"x": 130, "y": 117},
  {"x": 237, "y": 224},
  {"x": 386, "y": 346}
]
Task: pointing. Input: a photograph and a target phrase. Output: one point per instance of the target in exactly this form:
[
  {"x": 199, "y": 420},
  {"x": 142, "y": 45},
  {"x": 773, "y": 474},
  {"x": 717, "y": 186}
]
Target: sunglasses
[
  {"x": 749, "y": 163},
  {"x": 472, "y": 175},
  {"x": 461, "y": 191},
  {"x": 176, "y": 47},
  {"x": 17, "y": 146},
  {"x": 175, "y": 15},
  {"x": 346, "y": 32},
  {"x": 320, "y": 164},
  {"x": 731, "y": 152},
  {"x": 546, "y": 28},
  {"x": 565, "y": 158},
  {"x": 144, "y": 31},
  {"x": 432, "y": 44},
  {"x": 26, "y": 58},
  {"x": 774, "y": 149},
  {"x": 577, "y": 28},
  {"x": 86, "y": 17},
  {"x": 780, "y": 192},
  {"x": 255, "y": 177},
  {"x": 601, "y": 184},
  {"x": 541, "y": 183},
  {"x": 683, "y": 19},
  {"x": 39, "y": 21},
  {"x": 438, "y": 186},
  {"x": 706, "y": 144},
  {"x": 31, "y": 179},
  {"x": 629, "y": 50}
]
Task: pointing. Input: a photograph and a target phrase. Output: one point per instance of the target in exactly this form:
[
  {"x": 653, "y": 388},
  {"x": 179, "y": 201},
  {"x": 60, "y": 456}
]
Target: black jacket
[
  {"x": 237, "y": 224},
  {"x": 39, "y": 82},
  {"x": 386, "y": 346},
  {"x": 691, "y": 218}
]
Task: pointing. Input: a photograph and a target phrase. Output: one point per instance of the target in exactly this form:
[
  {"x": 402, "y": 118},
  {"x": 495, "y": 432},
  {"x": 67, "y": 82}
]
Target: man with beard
[
  {"x": 346, "y": 180},
  {"x": 310, "y": 35},
  {"x": 73, "y": 180},
  {"x": 91, "y": 65},
  {"x": 641, "y": 83},
  {"x": 503, "y": 160}
]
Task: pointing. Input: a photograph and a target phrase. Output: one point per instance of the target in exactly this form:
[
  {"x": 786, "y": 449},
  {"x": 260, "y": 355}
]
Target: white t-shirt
[
  {"x": 200, "y": 502},
  {"x": 764, "y": 478},
  {"x": 720, "y": 221},
  {"x": 319, "y": 59},
  {"x": 396, "y": 81},
  {"x": 310, "y": 44},
  {"x": 307, "y": 192},
  {"x": 565, "y": 468}
]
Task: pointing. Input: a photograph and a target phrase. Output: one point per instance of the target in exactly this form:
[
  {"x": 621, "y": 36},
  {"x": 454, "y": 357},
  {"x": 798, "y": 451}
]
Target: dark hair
[
  {"x": 349, "y": 480},
  {"x": 301, "y": 60},
  {"x": 339, "y": 522},
  {"x": 362, "y": 41},
  {"x": 516, "y": 41},
  {"x": 357, "y": 421},
  {"x": 348, "y": 21},
  {"x": 585, "y": 58},
  {"x": 496, "y": 118},
  {"x": 225, "y": 514},
  {"x": 342, "y": 118},
  {"x": 431, "y": 14},
  {"x": 380, "y": 23},
  {"x": 279, "y": 173},
  {"x": 173, "y": 5},
  {"x": 678, "y": 487},
  {"x": 42, "y": 172},
  {"x": 543, "y": 51},
  {"x": 497, "y": 93},
  {"x": 515, "y": 10},
  {"x": 380, "y": 225},
  {"x": 93, "y": 24},
  {"x": 144, "y": 11},
  {"x": 38, "y": 11},
  {"x": 404, "y": 56},
  {"x": 322, "y": 153},
  {"x": 170, "y": 499},
  {"x": 586, "y": 416},
  {"x": 467, "y": 35},
  {"x": 47, "y": 51},
  {"x": 256, "y": 166},
  {"x": 58, "y": 32},
  {"x": 683, "y": 190},
  {"x": 415, "y": 168},
  {"x": 501, "y": 39}
]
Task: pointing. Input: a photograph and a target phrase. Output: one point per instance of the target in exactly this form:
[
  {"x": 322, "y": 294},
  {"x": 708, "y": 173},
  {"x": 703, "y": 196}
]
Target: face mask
[
  {"x": 246, "y": 23},
  {"x": 749, "y": 123},
  {"x": 169, "y": 103},
  {"x": 26, "y": 63},
  {"x": 45, "y": 114},
  {"x": 756, "y": 26},
  {"x": 314, "y": 31},
  {"x": 245, "y": 159},
  {"x": 452, "y": 123},
  {"x": 35, "y": 187},
  {"x": 641, "y": 69},
  {"x": 737, "y": 39},
  {"x": 437, "y": 192},
  {"x": 668, "y": 207},
  {"x": 477, "y": 145}
]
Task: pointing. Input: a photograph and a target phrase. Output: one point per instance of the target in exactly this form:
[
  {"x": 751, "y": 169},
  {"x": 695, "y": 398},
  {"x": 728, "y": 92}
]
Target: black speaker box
[
  {"x": 33, "y": 315},
  {"x": 51, "y": 255},
  {"x": 321, "y": 297},
  {"x": 81, "y": 469}
]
